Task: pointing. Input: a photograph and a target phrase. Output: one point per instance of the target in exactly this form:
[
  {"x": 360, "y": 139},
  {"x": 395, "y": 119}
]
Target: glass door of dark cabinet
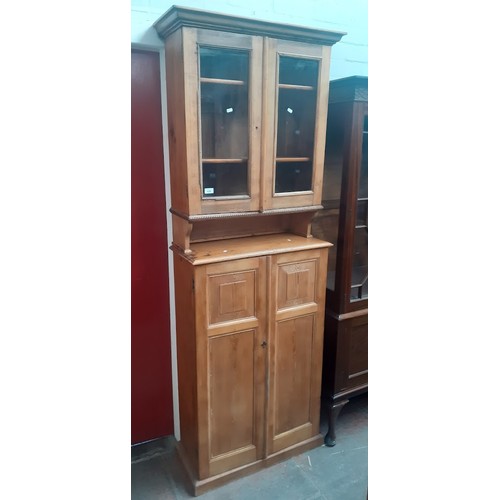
[{"x": 359, "y": 276}]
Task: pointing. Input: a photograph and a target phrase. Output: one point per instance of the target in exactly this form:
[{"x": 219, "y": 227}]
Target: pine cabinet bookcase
[{"x": 247, "y": 105}]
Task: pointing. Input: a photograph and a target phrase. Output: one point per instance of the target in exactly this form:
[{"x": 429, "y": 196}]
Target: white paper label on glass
[{"x": 208, "y": 190}]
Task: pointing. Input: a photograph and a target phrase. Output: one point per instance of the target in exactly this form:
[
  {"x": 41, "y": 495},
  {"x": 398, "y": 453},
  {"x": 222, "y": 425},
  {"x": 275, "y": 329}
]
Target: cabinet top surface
[
  {"x": 253, "y": 246},
  {"x": 352, "y": 88},
  {"x": 177, "y": 17}
]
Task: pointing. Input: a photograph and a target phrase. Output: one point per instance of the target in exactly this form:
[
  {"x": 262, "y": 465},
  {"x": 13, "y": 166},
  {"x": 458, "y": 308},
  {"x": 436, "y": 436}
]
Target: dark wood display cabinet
[
  {"x": 344, "y": 222},
  {"x": 247, "y": 103}
]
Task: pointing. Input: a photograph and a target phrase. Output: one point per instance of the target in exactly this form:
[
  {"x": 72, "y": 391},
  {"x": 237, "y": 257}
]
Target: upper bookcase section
[{"x": 247, "y": 103}]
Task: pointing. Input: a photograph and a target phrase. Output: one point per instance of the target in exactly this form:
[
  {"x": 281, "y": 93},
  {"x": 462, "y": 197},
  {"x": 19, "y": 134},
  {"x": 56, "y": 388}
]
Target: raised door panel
[
  {"x": 296, "y": 298},
  {"x": 351, "y": 364},
  {"x": 231, "y": 296},
  {"x": 296, "y": 283},
  {"x": 231, "y": 362},
  {"x": 296, "y": 99},
  {"x": 223, "y": 78},
  {"x": 357, "y": 373},
  {"x": 292, "y": 371},
  {"x": 235, "y": 386}
]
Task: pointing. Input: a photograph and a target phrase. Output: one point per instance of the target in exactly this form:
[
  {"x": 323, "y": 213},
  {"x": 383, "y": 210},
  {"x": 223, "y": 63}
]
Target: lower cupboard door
[
  {"x": 296, "y": 305},
  {"x": 236, "y": 400},
  {"x": 294, "y": 404}
]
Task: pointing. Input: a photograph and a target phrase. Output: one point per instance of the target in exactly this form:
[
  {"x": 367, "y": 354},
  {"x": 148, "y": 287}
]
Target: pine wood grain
[{"x": 239, "y": 248}]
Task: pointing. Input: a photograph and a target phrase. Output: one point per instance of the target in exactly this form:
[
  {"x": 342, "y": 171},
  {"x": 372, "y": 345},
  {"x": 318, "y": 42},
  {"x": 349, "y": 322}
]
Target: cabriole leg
[{"x": 333, "y": 412}]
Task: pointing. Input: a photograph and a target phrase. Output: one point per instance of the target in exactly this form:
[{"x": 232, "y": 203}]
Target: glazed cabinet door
[
  {"x": 223, "y": 77},
  {"x": 296, "y": 316},
  {"x": 359, "y": 270},
  {"x": 296, "y": 102},
  {"x": 231, "y": 349}
]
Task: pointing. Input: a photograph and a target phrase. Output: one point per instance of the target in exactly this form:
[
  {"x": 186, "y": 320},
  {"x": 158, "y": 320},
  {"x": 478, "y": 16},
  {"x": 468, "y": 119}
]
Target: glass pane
[
  {"x": 297, "y": 95},
  {"x": 223, "y": 63},
  {"x": 224, "y": 121},
  {"x": 359, "y": 277},
  {"x": 298, "y": 71},
  {"x": 293, "y": 176},
  {"x": 296, "y": 117},
  {"x": 359, "y": 283},
  {"x": 224, "y": 179},
  {"x": 362, "y": 213},
  {"x": 363, "y": 176}
]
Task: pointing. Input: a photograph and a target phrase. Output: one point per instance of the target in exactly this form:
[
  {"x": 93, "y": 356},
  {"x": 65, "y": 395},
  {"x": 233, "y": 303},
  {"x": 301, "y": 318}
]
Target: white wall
[{"x": 349, "y": 56}]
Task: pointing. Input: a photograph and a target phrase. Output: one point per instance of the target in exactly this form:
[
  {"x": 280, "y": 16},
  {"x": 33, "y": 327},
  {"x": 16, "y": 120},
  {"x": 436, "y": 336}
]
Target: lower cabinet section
[
  {"x": 249, "y": 364},
  {"x": 345, "y": 363},
  {"x": 352, "y": 353}
]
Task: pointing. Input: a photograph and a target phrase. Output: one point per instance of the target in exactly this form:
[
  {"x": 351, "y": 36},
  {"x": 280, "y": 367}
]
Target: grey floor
[{"x": 339, "y": 473}]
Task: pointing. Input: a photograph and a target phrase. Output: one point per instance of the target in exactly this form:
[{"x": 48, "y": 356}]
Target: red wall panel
[{"x": 151, "y": 398}]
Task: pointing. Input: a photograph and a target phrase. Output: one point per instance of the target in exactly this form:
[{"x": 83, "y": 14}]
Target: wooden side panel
[
  {"x": 320, "y": 130},
  {"x": 192, "y": 139},
  {"x": 329, "y": 349},
  {"x": 186, "y": 358},
  {"x": 176, "y": 122},
  {"x": 297, "y": 282}
]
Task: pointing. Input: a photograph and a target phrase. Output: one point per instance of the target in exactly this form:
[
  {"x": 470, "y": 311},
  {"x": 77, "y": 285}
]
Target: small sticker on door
[{"x": 208, "y": 190}]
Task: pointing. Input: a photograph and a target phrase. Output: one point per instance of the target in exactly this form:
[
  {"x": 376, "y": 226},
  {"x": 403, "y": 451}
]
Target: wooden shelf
[
  {"x": 221, "y": 81},
  {"x": 295, "y": 87},
  {"x": 291, "y": 159},
  {"x": 224, "y": 160}
]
